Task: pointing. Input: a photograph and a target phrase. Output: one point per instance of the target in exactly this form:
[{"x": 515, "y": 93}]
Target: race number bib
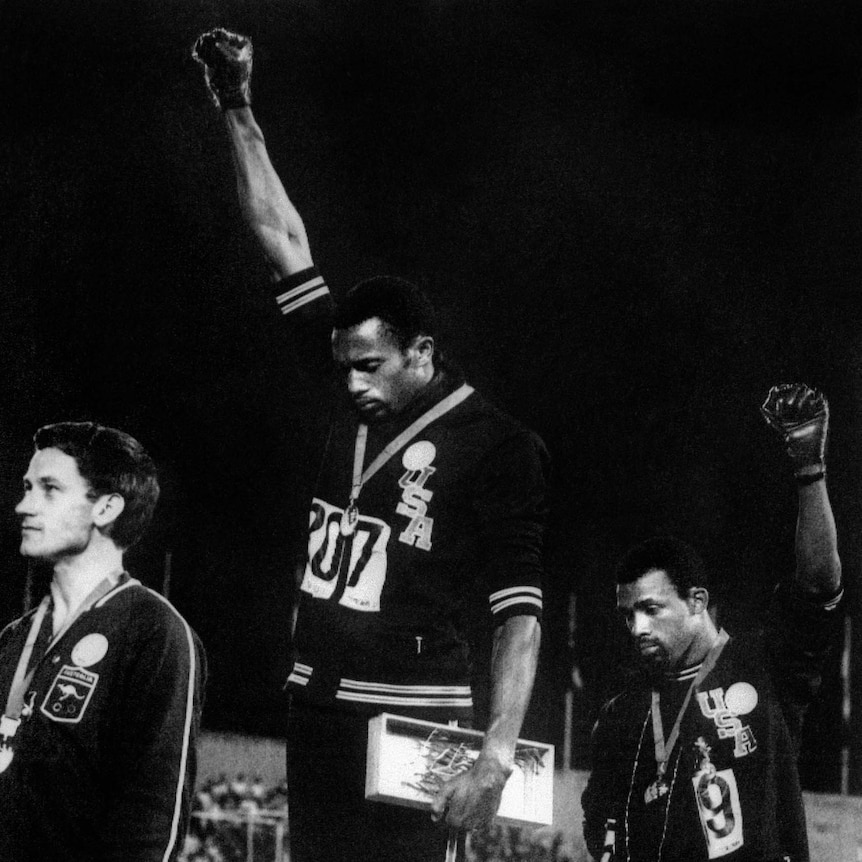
[
  {"x": 720, "y": 812},
  {"x": 350, "y": 569}
]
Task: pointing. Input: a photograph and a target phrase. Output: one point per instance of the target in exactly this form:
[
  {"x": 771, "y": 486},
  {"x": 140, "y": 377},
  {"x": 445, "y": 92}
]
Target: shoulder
[
  {"x": 497, "y": 428},
  {"x": 16, "y": 627},
  {"x": 148, "y": 612},
  {"x": 625, "y": 702},
  {"x": 621, "y": 718},
  {"x": 745, "y": 648},
  {"x": 477, "y": 408}
]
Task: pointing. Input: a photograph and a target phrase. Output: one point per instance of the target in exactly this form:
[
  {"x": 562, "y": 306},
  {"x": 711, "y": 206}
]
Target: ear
[
  {"x": 698, "y": 599},
  {"x": 421, "y": 350},
  {"x": 107, "y": 509}
]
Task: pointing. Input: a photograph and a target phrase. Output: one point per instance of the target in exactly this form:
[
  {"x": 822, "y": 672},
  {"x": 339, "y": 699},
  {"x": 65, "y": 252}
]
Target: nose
[
  {"x": 356, "y": 383},
  {"x": 25, "y": 506},
  {"x": 639, "y": 624}
]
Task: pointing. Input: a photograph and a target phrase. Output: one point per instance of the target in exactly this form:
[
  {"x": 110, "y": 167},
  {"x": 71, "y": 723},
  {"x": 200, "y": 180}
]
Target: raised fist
[
  {"x": 800, "y": 415},
  {"x": 226, "y": 58}
]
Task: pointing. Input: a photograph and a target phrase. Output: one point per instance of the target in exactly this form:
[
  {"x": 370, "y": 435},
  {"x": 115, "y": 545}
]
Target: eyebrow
[
  {"x": 360, "y": 360},
  {"x": 43, "y": 480},
  {"x": 640, "y": 603}
]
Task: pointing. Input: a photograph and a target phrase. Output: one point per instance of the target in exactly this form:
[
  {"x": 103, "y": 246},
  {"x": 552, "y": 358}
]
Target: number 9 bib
[{"x": 719, "y": 809}]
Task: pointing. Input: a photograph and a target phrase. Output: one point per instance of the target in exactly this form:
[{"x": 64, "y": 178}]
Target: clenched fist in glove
[
  {"x": 226, "y": 58},
  {"x": 801, "y": 416}
]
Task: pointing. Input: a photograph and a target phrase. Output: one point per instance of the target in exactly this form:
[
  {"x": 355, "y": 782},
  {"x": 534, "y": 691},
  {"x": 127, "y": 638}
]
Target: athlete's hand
[
  {"x": 227, "y": 60},
  {"x": 470, "y": 800},
  {"x": 800, "y": 415}
]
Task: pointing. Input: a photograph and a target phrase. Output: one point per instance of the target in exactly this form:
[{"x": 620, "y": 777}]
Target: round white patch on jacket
[
  {"x": 741, "y": 698},
  {"x": 419, "y": 455},
  {"x": 89, "y": 650}
]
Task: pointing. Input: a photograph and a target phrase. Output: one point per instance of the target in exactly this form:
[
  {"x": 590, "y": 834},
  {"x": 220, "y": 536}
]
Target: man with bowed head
[
  {"x": 427, "y": 498},
  {"x": 696, "y": 760},
  {"x": 102, "y": 682}
]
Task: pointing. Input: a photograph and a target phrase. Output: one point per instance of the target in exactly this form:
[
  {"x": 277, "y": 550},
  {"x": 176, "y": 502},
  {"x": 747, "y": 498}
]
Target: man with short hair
[
  {"x": 696, "y": 759},
  {"x": 102, "y": 682},
  {"x": 427, "y": 497}
]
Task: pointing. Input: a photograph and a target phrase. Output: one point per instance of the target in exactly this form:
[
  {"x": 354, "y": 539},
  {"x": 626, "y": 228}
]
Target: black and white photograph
[{"x": 487, "y": 370}]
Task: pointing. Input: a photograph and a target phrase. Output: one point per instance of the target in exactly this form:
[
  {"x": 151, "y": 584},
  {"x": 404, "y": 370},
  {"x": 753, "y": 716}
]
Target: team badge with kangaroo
[{"x": 69, "y": 694}]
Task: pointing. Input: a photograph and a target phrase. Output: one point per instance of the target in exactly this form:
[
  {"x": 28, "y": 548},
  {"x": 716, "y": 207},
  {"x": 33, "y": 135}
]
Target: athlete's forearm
[
  {"x": 263, "y": 201},
  {"x": 470, "y": 800},
  {"x": 818, "y": 566},
  {"x": 513, "y": 669}
]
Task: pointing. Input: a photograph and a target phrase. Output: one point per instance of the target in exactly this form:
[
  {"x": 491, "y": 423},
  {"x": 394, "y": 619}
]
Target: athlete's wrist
[{"x": 496, "y": 760}]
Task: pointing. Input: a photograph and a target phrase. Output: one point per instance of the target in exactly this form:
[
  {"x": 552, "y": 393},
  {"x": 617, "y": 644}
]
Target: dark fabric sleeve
[
  {"x": 603, "y": 798},
  {"x": 799, "y": 635},
  {"x": 306, "y": 308},
  {"x": 510, "y": 501},
  {"x": 10, "y": 629},
  {"x": 9, "y": 656},
  {"x": 151, "y": 757}
]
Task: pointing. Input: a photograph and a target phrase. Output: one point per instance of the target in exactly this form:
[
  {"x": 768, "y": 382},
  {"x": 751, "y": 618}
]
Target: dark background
[{"x": 635, "y": 217}]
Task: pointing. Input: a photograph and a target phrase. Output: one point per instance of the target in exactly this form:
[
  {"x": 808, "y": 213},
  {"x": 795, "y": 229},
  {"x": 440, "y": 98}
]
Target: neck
[
  {"x": 423, "y": 383},
  {"x": 424, "y": 378},
  {"x": 76, "y": 577},
  {"x": 700, "y": 646}
]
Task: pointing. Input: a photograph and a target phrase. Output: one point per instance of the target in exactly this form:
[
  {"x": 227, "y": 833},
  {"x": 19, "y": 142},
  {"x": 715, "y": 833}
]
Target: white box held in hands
[{"x": 409, "y": 759}]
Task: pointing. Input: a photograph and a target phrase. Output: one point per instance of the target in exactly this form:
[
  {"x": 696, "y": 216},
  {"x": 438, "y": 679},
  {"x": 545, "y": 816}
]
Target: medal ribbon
[
  {"x": 664, "y": 748},
  {"x": 21, "y": 680},
  {"x": 15, "y": 700},
  {"x": 439, "y": 409}
]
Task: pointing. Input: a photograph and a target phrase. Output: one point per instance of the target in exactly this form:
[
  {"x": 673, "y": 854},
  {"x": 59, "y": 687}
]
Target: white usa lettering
[
  {"x": 728, "y": 726},
  {"x": 416, "y": 497}
]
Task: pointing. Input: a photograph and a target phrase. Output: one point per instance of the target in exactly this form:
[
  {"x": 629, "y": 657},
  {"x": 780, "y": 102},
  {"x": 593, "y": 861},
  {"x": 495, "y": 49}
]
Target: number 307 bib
[{"x": 350, "y": 569}]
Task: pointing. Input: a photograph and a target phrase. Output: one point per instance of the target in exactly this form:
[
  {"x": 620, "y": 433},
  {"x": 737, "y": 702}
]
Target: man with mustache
[
  {"x": 697, "y": 759},
  {"x": 427, "y": 499}
]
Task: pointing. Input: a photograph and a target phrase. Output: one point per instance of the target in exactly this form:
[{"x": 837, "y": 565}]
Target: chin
[
  {"x": 26, "y": 549},
  {"x": 373, "y": 413}
]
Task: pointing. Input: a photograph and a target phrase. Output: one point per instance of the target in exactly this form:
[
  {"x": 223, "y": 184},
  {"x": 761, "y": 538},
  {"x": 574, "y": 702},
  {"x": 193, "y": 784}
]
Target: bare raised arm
[
  {"x": 265, "y": 205},
  {"x": 818, "y": 566},
  {"x": 266, "y": 208},
  {"x": 800, "y": 415}
]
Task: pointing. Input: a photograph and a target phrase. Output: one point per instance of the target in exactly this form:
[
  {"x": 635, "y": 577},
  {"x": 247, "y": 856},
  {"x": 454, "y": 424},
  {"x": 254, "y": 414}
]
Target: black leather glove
[
  {"x": 227, "y": 60},
  {"x": 800, "y": 415}
]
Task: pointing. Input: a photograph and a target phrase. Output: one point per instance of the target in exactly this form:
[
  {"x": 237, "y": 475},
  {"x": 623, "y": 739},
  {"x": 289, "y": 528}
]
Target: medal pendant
[
  {"x": 655, "y": 790},
  {"x": 349, "y": 519},
  {"x": 8, "y": 727},
  {"x": 6, "y": 755}
]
